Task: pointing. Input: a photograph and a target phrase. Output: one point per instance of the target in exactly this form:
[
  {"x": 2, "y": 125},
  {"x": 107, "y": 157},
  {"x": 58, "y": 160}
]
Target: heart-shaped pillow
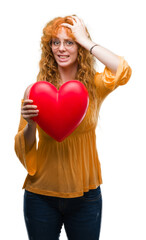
[{"x": 60, "y": 111}]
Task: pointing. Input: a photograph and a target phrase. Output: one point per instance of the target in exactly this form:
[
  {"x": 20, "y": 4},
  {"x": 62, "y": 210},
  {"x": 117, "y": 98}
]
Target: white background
[{"x": 121, "y": 132}]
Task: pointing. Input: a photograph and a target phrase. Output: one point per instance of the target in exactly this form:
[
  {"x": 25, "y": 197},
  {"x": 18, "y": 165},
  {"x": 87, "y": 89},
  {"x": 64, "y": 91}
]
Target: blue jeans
[{"x": 45, "y": 215}]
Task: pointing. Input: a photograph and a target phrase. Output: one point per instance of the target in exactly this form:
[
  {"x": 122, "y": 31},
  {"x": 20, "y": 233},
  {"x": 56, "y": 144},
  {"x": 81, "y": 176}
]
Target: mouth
[{"x": 63, "y": 56}]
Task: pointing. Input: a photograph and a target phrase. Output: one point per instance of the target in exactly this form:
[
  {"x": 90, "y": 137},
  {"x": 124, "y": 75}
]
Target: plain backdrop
[{"x": 121, "y": 133}]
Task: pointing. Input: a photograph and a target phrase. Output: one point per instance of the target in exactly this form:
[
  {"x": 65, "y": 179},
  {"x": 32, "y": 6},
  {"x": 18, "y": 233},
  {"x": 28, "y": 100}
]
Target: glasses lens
[
  {"x": 56, "y": 44},
  {"x": 69, "y": 44}
]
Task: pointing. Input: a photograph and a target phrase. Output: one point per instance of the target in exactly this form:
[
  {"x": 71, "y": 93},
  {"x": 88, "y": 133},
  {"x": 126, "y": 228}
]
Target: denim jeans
[{"x": 45, "y": 215}]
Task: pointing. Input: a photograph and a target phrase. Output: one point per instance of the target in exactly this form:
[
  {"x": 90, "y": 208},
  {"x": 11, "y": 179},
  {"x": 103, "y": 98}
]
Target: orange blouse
[{"x": 69, "y": 168}]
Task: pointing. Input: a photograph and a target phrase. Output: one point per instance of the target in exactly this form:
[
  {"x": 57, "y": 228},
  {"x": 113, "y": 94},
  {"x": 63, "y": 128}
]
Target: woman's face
[{"x": 65, "y": 56}]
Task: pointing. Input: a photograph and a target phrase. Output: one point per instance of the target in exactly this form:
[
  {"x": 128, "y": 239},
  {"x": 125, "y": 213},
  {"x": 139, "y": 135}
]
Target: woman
[{"x": 63, "y": 181}]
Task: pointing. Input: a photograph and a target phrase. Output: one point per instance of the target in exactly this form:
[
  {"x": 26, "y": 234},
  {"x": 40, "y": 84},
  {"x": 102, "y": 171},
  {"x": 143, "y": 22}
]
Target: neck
[{"x": 68, "y": 73}]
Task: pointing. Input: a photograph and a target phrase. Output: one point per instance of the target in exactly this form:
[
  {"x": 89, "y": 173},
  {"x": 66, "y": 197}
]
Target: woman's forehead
[{"x": 62, "y": 33}]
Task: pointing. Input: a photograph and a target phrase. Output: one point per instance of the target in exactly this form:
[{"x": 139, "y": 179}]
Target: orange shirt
[{"x": 69, "y": 168}]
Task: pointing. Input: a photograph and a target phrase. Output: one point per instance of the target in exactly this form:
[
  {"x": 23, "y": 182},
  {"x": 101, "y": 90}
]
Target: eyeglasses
[{"x": 68, "y": 44}]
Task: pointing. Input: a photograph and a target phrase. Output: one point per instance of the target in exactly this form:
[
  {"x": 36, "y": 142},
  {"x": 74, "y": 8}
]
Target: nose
[{"x": 61, "y": 47}]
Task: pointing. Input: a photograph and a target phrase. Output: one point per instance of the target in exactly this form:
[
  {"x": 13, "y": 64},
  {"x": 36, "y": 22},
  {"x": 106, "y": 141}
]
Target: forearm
[
  {"x": 29, "y": 135},
  {"x": 105, "y": 56}
]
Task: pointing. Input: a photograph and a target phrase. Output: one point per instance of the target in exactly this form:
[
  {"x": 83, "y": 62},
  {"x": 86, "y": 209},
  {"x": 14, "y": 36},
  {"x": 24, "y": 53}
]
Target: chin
[{"x": 64, "y": 64}]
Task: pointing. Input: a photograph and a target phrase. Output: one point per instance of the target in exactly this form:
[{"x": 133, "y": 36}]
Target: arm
[
  {"x": 109, "y": 59},
  {"x": 25, "y": 139},
  {"x": 116, "y": 72},
  {"x": 29, "y": 136},
  {"x": 30, "y": 128}
]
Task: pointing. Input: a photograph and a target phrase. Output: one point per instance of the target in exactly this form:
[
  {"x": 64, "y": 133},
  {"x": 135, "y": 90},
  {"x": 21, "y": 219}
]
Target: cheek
[{"x": 74, "y": 54}]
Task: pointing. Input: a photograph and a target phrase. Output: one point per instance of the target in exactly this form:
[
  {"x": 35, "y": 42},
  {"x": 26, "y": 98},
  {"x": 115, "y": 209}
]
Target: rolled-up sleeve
[
  {"x": 106, "y": 81},
  {"x": 27, "y": 158}
]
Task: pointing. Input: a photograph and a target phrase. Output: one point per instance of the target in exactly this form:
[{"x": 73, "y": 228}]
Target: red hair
[{"x": 48, "y": 65}]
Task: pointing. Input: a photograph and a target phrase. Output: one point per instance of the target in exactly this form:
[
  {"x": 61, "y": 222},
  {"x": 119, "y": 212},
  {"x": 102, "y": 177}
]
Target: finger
[
  {"x": 28, "y": 100},
  {"x": 74, "y": 20},
  {"x": 29, "y": 106},
  {"x": 66, "y": 25},
  {"x": 29, "y": 111},
  {"x": 30, "y": 116},
  {"x": 75, "y": 17}
]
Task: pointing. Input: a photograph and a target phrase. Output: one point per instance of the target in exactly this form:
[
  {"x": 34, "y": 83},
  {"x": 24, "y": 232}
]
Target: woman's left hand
[{"x": 78, "y": 29}]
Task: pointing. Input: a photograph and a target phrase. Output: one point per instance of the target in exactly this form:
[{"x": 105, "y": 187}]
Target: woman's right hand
[{"x": 28, "y": 111}]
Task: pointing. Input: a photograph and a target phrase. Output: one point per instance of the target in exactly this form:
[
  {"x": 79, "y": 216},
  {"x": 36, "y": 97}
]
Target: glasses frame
[{"x": 66, "y": 47}]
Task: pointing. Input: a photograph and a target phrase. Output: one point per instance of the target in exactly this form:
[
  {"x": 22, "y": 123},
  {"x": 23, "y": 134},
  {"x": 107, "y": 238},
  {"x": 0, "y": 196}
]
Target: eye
[
  {"x": 56, "y": 42},
  {"x": 69, "y": 43}
]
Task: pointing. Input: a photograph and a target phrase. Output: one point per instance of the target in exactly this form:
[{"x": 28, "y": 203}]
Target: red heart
[{"x": 60, "y": 111}]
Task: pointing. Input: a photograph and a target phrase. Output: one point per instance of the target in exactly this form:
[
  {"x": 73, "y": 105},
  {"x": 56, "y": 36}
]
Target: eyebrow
[{"x": 64, "y": 38}]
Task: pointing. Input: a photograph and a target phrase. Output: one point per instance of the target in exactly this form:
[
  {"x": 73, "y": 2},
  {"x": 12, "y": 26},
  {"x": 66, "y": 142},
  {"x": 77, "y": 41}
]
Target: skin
[
  {"x": 66, "y": 69},
  {"x": 105, "y": 56}
]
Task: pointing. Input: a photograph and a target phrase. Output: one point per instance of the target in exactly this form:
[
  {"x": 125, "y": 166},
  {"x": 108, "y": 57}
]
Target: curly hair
[{"x": 48, "y": 65}]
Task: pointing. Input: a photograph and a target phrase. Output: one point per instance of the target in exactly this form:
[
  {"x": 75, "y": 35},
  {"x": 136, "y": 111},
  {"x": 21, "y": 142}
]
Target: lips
[{"x": 63, "y": 58}]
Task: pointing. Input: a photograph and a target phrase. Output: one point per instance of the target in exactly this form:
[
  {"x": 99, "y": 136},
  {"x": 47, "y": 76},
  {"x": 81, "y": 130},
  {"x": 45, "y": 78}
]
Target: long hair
[{"x": 48, "y": 65}]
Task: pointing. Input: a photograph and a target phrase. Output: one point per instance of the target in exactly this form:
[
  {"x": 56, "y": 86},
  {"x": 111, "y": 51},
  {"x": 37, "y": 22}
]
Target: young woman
[{"x": 63, "y": 181}]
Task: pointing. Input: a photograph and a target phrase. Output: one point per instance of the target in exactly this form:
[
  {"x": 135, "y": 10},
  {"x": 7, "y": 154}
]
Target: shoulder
[{"x": 27, "y": 91}]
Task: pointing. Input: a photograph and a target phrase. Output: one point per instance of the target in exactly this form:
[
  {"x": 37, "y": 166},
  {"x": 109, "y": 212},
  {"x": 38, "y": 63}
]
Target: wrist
[
  {"x": 88, "y": 44},
  {"x": 93, "y": 47},
  {"x": 32, "y": 125}
]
